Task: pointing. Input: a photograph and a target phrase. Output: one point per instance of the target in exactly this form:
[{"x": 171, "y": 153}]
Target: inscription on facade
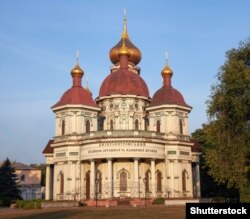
[
  {"x": 120, "y": 150},
  {"x": 122, "y": 143}
]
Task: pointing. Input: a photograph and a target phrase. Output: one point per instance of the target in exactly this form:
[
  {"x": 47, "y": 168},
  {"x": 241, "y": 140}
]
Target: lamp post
[
  {"x": 96, "y": 191},
  {"x": 145, "y": 181}
]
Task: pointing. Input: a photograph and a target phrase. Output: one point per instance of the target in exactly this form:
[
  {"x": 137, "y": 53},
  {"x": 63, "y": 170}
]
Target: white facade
[
  {"x": 159, "y": 163},
  {"x": 122, "y": 147}
]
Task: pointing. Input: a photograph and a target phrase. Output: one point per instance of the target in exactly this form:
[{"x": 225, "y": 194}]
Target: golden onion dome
[
  {"x": 123, "y": 50},
  {"x": 77, "y": 71},
  {"x": 134, "y": 54},
  {"x": 167, "y": 70}
]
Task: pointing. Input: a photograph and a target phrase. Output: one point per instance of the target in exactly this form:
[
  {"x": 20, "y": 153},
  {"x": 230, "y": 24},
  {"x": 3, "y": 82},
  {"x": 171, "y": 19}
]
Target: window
[
  {"x": 146, "y": 123},
  {"x": 184, "y": 180},
  {"x": 147, "y": 180},
  {"x": 158, "y": 126},
  {"x": 87, "y": 177},
  {"x": 159, "y": 185},
  {"x": 99, "y": 177},
  {"x": 61, "y": 179},
  {"x": 123, "y": 181},
  {"x": 63, "y": 127},
  {"x": 100, "y": 123},
  {"x": 111, "y": 125},
  {"x": 136, "y": 125},
  {"x": 181, "y": 126},
  {"x": 87, "y": 126}
]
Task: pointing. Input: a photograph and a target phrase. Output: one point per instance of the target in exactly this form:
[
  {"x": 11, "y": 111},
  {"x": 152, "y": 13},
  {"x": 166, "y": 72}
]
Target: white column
[
  {"x": 198, "y": 186},
  {"x": 153, "y": 177},
  {"x": 110, "y": 178},
  {"x": 92, "y": 179},
  {"x": 48, "y": 183},
  {"x": 136, "y": 177},
  {"x": 73, "y": 185}
]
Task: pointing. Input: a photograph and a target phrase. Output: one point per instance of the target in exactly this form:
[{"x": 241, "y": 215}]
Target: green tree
[
  {"x": 209, "y": 187},
  {"x": 228, "y": 130},
  {"x": 8, "y": 184}
]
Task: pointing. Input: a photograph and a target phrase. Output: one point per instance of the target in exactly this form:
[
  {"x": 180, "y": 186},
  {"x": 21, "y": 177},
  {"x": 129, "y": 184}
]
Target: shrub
[
  {"x": 29, "y": 204},
  {"x": 158, "y": 201}
]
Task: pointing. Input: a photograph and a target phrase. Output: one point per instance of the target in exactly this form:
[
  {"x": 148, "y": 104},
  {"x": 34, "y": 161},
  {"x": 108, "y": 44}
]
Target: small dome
[
  {"x": 77, "y": 70},
  {"x": 76, "y": 95},
  {"x": 124, "y": 82},
  {"x": 168, "y": 95},
  {"x": 134, "y": 54},
  {"x": 167, "y": 70}
]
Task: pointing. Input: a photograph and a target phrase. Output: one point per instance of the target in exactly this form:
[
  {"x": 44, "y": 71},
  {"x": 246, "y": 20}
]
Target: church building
[{"x": 123, "y": 144}]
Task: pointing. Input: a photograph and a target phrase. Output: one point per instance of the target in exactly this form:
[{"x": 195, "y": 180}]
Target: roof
[
  {"x": 48, "y": 149},
  {"x": 196, "y": 147},
  {"x": 168, "y": 95},
  {"x": 21, "y": 166},
  {"x": 76, "y": 95},
  {"x": 124, "y": 82}
]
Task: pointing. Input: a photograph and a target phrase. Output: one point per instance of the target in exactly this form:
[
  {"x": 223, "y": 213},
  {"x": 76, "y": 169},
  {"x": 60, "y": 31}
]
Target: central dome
[
  {"x": 134, "y": 54},
  {"x": 124, "y": 82}
]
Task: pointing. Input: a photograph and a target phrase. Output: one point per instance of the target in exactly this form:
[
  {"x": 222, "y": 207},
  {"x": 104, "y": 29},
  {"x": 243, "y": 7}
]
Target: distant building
[
  {"x": 29, "y": 181},
  {"x": 123, "y": 144}
]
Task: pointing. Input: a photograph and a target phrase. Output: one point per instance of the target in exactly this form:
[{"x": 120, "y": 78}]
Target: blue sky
[{"x": 38, "y": 41}]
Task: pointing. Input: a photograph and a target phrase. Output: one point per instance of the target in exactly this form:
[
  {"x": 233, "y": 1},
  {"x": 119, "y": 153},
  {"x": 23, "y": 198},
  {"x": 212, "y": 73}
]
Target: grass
[{"x": 95, "y": 213}]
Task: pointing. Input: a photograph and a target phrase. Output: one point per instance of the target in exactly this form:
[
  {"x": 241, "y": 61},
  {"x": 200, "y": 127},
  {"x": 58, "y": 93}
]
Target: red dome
[
  {"x": 168, "y": 95},
  {"x": 76, "y": 95},
  {"x": 124, "y": 82}
]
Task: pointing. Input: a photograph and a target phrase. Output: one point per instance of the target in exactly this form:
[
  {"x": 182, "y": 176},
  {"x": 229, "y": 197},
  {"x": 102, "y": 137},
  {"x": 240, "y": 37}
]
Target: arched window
[
  {"x": 136, "y": 125},
  {"x": 111, "y": 125},
  {"x": 100, "y": 123},
  {"x": 63, "y": 127},
  {"x": 159, "y": 184},
  {"x": 123, "y": 181},
  {"x": 158, "y": 126},
  {"x": 181, "y": 126},
  {"x": 87, "y": 185},
  {"x": 147, "y": 177},
  {"x": 87, "y": 126},
  {"x": 146, "y": 123},
  {"x": 184, "y": 180},
  {"x": 99, "y": 177},
  {"x": 61, "y": 180}
]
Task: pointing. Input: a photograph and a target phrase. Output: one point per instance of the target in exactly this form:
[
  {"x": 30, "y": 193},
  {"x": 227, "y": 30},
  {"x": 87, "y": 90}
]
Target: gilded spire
[
  {"x": 118, "y": 49},
  {"x": 167, "y": 70},
  {"x": 124, "y": 33},
  {"x": 77, "y": 70},
  {"x": 167, "y": 73}
]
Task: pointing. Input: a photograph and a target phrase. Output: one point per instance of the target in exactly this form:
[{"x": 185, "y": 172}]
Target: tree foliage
[
  {"x": 228, "y": 130},
  {"x": 9, "y": 189}
]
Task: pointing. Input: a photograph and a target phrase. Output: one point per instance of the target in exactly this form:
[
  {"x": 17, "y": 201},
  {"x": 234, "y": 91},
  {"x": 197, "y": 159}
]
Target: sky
[{"x": 39, "y": 40}]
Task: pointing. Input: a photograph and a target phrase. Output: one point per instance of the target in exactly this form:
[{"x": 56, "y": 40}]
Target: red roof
[
  {"x": 76, "y": 95},
  {"x": 168, "y": 95},
  {"x": 124, "y": 82},
  {"x": 48, "y": 149}
]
